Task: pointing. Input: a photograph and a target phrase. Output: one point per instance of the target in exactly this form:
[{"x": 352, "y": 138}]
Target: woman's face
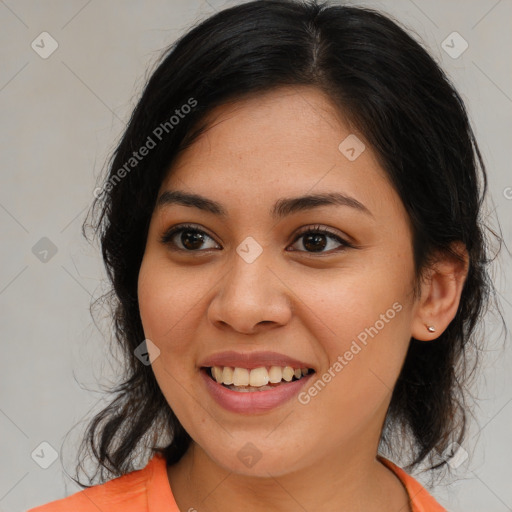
[{"x": 259, "y": 287}]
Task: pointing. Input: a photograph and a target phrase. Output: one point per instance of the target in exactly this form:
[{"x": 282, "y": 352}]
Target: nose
[{"x": 251, "y": 297}]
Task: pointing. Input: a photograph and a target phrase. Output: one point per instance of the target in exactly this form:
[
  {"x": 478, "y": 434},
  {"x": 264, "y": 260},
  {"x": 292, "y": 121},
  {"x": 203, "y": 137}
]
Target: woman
[{"x": 291, "y": 224}]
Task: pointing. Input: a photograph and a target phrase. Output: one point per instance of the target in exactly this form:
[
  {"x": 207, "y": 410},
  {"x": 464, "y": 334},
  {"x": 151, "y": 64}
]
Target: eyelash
[{"x": 167, "y": 237}]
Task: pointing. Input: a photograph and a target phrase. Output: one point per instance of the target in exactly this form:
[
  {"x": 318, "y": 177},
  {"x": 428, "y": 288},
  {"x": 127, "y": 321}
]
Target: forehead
[
  {"x": 293, "y": 122},
  {"x": 283, "y": 142}
]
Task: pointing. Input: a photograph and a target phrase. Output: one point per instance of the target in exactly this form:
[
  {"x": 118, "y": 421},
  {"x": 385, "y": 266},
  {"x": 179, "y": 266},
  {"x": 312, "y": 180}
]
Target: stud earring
[{"x": 430, "y": 328}]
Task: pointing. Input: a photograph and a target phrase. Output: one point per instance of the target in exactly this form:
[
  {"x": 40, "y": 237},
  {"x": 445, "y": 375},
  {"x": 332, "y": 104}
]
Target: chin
[{"x": 250, "y": 461}]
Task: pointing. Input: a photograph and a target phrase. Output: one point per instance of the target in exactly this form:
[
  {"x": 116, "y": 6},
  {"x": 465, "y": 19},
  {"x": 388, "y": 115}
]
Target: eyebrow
[{"x": 283, "y": 207}]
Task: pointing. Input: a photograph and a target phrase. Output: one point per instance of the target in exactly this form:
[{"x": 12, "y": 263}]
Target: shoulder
[
  {"x": 126, "y": 493},
  {"x": 421, "y": 500}
]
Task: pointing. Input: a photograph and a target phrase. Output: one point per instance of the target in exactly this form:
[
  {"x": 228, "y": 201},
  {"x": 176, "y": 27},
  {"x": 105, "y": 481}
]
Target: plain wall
[{"x": 61, "y": 117}]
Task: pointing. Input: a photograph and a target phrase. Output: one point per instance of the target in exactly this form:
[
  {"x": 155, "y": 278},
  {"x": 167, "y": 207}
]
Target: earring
[{"x": 430, "y": 328}]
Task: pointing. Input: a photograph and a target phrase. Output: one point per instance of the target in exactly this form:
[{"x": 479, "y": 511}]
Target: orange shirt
[{"x": 148, "y": 490}]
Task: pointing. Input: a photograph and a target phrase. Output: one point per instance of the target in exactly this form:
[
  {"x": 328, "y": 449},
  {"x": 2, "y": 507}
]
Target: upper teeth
[{"x": 256, "y": 377}]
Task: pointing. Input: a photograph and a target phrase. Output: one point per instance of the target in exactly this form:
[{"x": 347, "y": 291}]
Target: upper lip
[{"x": 252, "y": 360}]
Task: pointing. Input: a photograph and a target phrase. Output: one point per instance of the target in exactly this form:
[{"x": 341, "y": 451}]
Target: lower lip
[{"x": 254, "y": 401}]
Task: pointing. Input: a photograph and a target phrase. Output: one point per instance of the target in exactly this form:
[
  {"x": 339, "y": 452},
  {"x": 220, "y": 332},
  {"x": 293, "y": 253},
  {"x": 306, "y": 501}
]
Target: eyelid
[
  {"x": 169, "y": 233},
  {"x": 317, "y": 228}
]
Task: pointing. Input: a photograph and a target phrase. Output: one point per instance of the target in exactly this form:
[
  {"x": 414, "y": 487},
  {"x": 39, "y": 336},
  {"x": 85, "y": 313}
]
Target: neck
[{"x": 343, "y": 480}]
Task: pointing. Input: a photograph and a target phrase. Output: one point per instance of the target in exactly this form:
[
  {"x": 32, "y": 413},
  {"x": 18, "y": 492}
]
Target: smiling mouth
[{"x": 263, "y": 378}]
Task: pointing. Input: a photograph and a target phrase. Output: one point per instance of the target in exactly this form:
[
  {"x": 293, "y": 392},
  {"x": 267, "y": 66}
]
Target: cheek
[
  {"x": 342, "y": 305},
  {"x": 168, "y": 304},
  {"x": 361, "y": 320},
  {"x": 168, "y": 309},
  {"x": 365, "y": 356}
]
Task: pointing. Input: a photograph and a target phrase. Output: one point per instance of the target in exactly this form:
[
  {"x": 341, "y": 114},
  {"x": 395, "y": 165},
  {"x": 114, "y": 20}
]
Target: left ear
[{"x": 440, "y": 293}]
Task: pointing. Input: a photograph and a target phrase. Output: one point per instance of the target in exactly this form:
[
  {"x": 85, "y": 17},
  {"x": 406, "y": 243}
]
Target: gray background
[{"x": 61, "y": 117}]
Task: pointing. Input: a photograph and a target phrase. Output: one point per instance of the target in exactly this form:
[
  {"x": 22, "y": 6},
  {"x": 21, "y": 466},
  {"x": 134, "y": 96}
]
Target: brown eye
[
  {"x": 318, "y": 238},
  {"x": 187, "y": 238}
]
